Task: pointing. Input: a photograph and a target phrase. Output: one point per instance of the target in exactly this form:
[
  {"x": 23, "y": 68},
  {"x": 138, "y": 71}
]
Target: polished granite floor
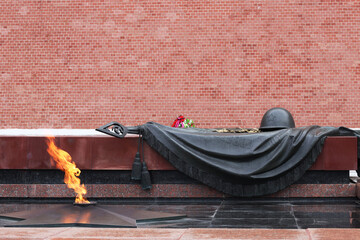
[{"x": 229, "y": 213}]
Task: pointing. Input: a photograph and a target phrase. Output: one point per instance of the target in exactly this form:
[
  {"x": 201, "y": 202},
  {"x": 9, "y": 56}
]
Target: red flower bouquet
[{"x": 182, "y": 122}]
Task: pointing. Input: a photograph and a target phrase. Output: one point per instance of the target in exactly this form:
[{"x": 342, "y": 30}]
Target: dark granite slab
[{"x": 228, "y": 213}]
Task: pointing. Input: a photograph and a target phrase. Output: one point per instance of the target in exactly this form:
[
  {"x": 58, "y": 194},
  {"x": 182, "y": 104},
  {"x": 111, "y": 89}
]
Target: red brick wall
[{"x": 81, "y": 64}]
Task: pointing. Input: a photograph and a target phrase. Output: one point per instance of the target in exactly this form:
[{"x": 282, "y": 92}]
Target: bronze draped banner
[{"x": 245, "y": 164}]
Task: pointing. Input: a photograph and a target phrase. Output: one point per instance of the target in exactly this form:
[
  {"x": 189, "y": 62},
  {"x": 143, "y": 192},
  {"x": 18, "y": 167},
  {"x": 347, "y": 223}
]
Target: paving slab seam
[
  {"x": 308, "y": 233},
  {"x": 215, "y": 212},
  {"x": 293, "y": 215},
  {"x": 56, "y": 234},
  {"x": 185, "y": 230}
]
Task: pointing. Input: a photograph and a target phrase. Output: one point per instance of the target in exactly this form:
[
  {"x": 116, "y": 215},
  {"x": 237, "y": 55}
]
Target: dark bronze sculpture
[
  {"x": 277, "y": 118},
  {"x": 245, "y": 163}
]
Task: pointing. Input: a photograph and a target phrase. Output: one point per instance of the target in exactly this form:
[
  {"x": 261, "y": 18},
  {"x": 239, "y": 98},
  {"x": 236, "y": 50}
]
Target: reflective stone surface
[
  {"x": 229, "y": 213},
  {"x": 76, "y": 215}
]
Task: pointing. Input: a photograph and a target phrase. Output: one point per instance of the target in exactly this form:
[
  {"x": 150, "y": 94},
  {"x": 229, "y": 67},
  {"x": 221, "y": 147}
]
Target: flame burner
[
  {"x": 85, "y": 204},
  {"x": 107, "y": 216}
]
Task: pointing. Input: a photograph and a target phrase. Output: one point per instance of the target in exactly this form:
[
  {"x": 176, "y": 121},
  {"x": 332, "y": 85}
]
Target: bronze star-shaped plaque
[{"x": 89, "y": 216}]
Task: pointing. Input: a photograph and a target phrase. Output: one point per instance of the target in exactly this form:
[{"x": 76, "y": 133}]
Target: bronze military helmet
[{"x": 277, "y": 118}]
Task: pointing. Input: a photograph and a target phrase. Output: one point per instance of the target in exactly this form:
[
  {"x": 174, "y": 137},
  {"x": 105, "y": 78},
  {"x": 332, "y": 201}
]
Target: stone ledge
[
  {"x": 181, "y": 234},
  {"x": 109, "y": 153},
  {"x": 168, "y": 191}
]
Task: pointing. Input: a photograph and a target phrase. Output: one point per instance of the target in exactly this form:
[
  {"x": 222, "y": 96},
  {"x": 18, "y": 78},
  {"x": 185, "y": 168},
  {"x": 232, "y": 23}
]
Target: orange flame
[{"x": 64, "y": 162}]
